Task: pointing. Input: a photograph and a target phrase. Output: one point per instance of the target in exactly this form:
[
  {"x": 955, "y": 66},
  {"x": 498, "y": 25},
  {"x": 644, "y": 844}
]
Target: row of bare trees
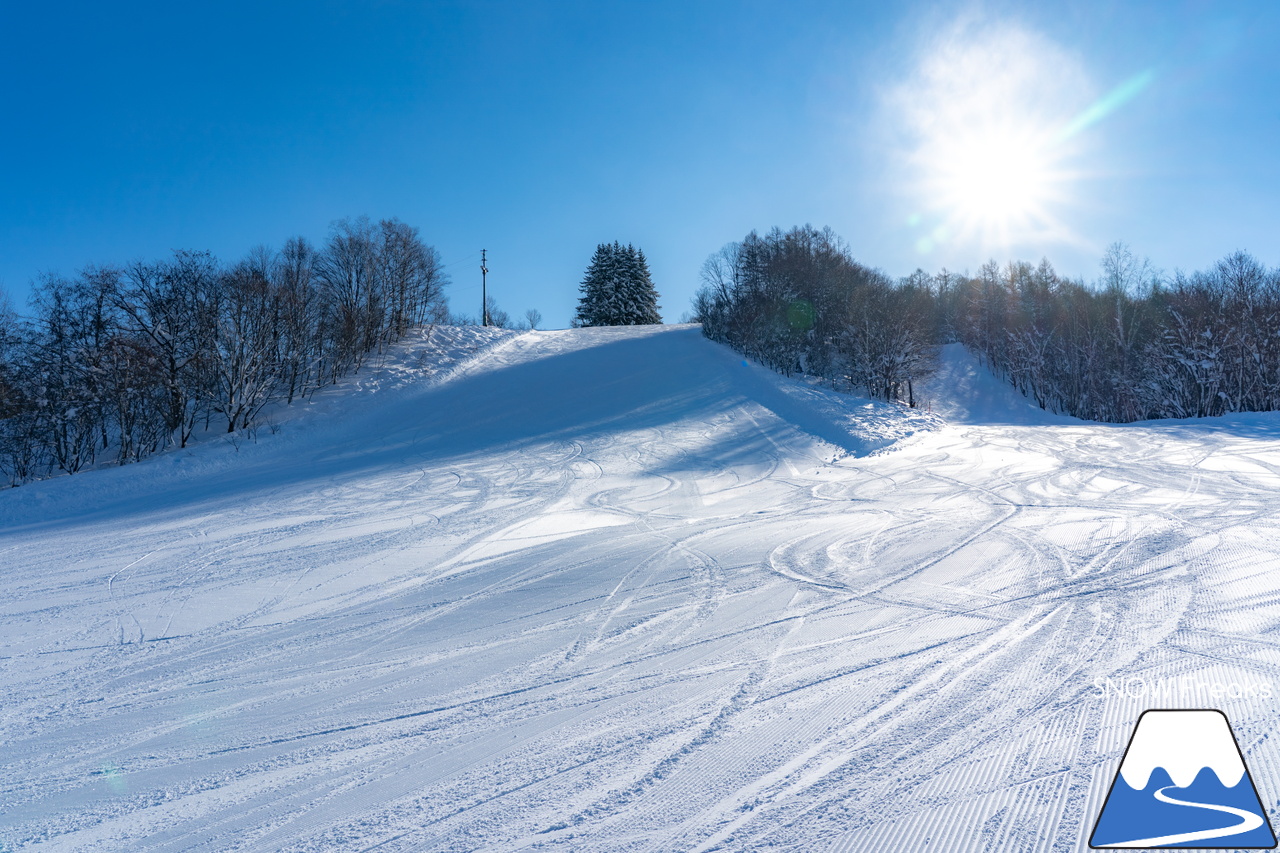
[
  {"x": 1134, "y": 346},
  {"x": 797, "y": 302},
  {"x": 119, "y": 362}
]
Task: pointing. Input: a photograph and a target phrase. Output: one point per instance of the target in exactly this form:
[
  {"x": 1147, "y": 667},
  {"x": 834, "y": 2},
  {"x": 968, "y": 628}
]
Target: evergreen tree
[
  {"x": 642, "y": 295},
  {"x": 617, "y": 289}
]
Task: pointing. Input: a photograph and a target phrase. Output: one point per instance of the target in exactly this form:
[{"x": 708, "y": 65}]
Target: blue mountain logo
[{"x": 1183, "y": 783}]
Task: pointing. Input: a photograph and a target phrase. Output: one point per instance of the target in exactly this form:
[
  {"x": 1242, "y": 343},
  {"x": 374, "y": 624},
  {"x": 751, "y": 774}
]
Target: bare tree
[
  {"x": 10, "y": 339},
  {"x": 65, "y": 358},
  {"x": 168, "y": 306},
  {"x": 412, "y": 277},
  {"x": 23, "y": 443},
  {"x": 243, "y": 368},
  {"x": 497, "y": 316},
  {"x": 301, "y": 333},
  {"x": 347, "y": 273},
  {"x": 135, "y": 386}
]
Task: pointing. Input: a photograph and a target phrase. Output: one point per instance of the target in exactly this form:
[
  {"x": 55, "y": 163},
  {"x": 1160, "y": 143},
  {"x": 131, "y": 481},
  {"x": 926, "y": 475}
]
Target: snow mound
[
  {"x": 429, "y": 354},
  {"x": 963, "y": 391},
  {"x": 857, "y": 425}
]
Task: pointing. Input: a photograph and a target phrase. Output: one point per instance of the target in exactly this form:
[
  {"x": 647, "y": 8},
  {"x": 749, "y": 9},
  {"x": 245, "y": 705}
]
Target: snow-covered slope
[
  {"x": 965, "y": 392},
  {"x": 617, "y": 590}
]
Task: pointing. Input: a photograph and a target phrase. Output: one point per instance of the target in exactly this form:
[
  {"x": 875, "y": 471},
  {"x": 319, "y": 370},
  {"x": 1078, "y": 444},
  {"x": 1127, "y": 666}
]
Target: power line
[{"x": 468, "y": 259}]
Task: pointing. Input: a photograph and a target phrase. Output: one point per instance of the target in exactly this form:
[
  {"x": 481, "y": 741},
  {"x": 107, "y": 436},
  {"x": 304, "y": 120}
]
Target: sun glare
[
  {"x": 994, "y": 183},
  {"x": 989, "y": 118}
]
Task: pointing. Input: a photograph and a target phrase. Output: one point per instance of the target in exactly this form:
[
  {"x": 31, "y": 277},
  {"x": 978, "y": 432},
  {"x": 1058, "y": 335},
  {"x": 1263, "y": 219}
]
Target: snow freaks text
[{"x": 1186, "y": 687}]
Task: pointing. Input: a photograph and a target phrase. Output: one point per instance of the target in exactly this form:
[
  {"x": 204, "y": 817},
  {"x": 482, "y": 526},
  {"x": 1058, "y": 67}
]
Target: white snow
[
  {"x": 614, "y": 589},
  {"x": 1183, "y": 743},
  {"x": 965, "y": 392}
]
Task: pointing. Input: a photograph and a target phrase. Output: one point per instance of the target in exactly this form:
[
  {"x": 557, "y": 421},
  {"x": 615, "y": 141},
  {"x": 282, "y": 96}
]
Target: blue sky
[{"x": 536, "y": 130}]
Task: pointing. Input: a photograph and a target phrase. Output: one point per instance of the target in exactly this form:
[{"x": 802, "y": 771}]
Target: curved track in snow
[{"x": 614, "y": 590}]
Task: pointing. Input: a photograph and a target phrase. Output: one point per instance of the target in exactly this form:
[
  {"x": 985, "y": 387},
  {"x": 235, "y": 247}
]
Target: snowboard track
[{"x": 662, "y": 619}]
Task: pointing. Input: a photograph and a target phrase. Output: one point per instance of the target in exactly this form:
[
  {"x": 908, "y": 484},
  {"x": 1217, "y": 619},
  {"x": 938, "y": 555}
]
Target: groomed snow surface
[{"x": 615, "y": 589}]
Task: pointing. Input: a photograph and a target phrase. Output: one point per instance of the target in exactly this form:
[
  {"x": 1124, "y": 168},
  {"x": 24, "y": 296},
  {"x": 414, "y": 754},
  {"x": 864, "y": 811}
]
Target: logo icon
[{"x": 1183, "y": 783}]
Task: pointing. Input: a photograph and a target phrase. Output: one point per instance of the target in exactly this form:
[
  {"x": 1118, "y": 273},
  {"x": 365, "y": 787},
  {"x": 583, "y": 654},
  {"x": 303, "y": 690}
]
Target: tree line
[
  {"x": 797, "y": 301},
  {"x": 119, "y": 362},
  {"x": 1136, "y": 345},
  {"x": 1132, "y": 345}
]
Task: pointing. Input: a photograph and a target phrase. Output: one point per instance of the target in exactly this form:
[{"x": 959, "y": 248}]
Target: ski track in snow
[{"x": 616, "y": 590}]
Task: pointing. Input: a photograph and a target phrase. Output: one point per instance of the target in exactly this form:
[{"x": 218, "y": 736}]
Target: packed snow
[{"x": 617, "y": 589}]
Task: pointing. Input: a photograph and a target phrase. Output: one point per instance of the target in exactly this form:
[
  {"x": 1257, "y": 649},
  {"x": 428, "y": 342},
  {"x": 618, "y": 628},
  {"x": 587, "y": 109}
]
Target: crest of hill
[{"x": 453, "y": 391}]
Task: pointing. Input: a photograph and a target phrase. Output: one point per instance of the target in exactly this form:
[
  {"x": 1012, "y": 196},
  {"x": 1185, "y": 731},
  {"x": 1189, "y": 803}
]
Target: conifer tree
[
  {"x": 617, "y": 289},
  {"x": 643, "y": 303}
]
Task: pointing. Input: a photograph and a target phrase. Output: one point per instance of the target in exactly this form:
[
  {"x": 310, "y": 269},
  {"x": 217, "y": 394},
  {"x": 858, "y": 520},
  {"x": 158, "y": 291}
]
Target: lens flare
[{"x": 993, "y": 115}]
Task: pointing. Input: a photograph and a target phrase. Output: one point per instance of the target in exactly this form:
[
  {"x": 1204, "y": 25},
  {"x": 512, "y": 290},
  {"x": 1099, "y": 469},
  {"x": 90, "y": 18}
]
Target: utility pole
[{"x": 484, "y": 293}]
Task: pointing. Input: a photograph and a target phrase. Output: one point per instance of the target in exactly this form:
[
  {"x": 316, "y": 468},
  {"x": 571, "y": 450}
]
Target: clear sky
[{"x": 926, "y": 134}]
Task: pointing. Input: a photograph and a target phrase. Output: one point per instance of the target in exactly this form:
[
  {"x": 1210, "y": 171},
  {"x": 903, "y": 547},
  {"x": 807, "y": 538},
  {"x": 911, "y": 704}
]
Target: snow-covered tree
[{"x": 617, "y": 289}]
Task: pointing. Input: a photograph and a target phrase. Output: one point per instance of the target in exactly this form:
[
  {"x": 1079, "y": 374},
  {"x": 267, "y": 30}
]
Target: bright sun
[
  {"x": 989, "y": 121},
  {"x": 994, "y": 182}
]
